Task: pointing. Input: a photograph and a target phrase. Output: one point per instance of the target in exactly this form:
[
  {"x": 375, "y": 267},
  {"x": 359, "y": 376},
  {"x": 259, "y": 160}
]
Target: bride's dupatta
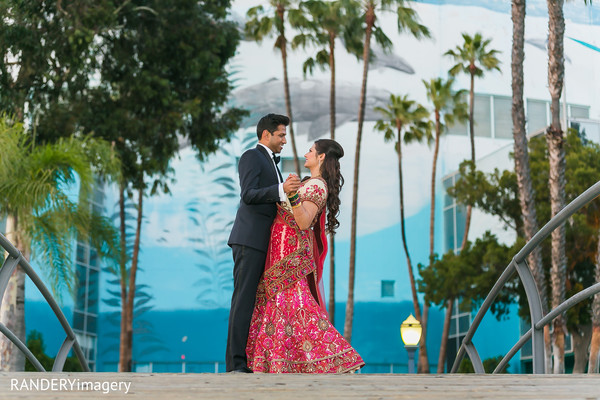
[
  {"x": 297, "y": 261},
  {"x": 320, "y": 251}
]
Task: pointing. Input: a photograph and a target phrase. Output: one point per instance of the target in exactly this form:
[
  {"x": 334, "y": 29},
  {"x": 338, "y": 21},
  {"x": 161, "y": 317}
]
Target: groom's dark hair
[{"x": 270, "y": 122}]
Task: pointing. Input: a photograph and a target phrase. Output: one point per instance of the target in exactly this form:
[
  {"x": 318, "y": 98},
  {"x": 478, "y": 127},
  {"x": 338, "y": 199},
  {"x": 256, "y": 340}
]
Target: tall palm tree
[
  {"x": 407, "y": 21},
  {"x": 472, "y": 58},
  {"x": 521, "y": 156},
  {"x": 556, "y": 156},
  {"x": 447, "y": 107},
  {"x": 42, "y": 220},
  {"x": 594, "y": 360},
  {"x": 263, "y": 23},
  {"x": 326, "y": 21},
  {"x": 405, "y": 121}
]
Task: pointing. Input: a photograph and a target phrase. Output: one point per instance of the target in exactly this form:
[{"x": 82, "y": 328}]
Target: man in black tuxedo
[{"x": 262, "y": 186}]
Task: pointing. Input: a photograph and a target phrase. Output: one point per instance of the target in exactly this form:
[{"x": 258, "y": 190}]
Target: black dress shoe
[{"x": 243, "y": 370}]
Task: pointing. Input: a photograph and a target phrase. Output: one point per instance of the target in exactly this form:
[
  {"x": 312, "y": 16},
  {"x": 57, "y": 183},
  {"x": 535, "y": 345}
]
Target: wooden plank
[{"x": 301, "y": 387}]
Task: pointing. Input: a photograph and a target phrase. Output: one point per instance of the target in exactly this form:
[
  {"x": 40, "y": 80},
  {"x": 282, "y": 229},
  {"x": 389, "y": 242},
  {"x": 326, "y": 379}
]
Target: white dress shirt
[{"x": 282, "y": 195}]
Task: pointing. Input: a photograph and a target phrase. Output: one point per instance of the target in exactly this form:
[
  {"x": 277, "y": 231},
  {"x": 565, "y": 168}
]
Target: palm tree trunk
[
  {"x": 286, "y": 87},
  {"x": 370, "y": 20},
  {"x": 332, "y": 130},
  {"x": 12, "y": 313},
  {"x": 132, "y": 278},
  {"x": 433, "y": 172},
  {"x": 411, "y": 275},
  {"x": 521, "y": 155},
  {"x": 556, "y": 155},
  {"x": 581, "y": 343},
  {"x": 423, "y": 366},
  {"x": 445, "y": 333},
  {"x": 472, "y": 137},
  {"x": 423, "y": 361},
  {"x": 594, "y": 360},
  {"x": 124, "y": 365}
]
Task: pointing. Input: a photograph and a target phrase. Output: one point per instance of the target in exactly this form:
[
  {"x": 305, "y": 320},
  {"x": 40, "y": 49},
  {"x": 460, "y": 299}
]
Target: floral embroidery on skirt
[{"x": 291, "y": 333}]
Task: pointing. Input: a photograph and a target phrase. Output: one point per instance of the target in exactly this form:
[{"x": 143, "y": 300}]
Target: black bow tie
[{"x": 276, "y": 159}]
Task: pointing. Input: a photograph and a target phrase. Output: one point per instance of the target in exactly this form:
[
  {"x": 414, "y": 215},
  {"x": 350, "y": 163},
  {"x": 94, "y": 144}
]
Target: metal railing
[
  {"x": 538, "y": 320},
  {"x": 14, "y": 259}
]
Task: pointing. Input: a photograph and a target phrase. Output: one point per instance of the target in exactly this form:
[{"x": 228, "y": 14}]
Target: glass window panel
[
  {"x": 387, "y": 288},
  {"x": 503, "y": 117},
  {"x": 448, "y": 183},
  {"x": 92, "y": 325},
  {"x": 449, "y": 229},
  {"x": 536, "y": 115},
  {"x": 459, "y": 129},
  {"x": 463, "y": 323},
  {"x": 452, "y": 351},
  {"x": 93, "y": 257},
  {"x": 482, "y": 117},
  {"x": 78, "y": 320},
  {"x": 286, "y": 166},
  {"x": 568, "y": 344},
  {"x": 92, "y": 306},
  {"x": 81, "y": 253},
  {"x": 452, "y": 331},
  {"x": 98, "y": 196},
  {"x": 461, "y": 217},
  {"x": 580, "y": 112},
  {"x": 97, "y": 208}
]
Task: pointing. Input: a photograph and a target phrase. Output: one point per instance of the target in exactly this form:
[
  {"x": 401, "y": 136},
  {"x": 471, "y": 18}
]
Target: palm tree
[
  {"x": 406, "y": 121},
  {"x": 407, "y": 20},
  {"x": 42, "y": 220},
  {"x": 521, "y": 156},
  {"x": 594, "y": 360},
  {"x": 556, "y": 155},
  {"x": 447, "y": 105},
  {"x": 262, "y": 23},
  {"x": 472, "y": 58},
  {"x": 326, "y": 22}
]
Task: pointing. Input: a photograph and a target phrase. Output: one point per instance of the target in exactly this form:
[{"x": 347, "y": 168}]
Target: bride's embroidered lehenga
[{"x": 290, "y": 329}]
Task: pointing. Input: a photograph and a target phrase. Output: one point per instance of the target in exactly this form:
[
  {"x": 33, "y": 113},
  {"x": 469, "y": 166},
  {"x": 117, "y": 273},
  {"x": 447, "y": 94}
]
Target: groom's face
[{"x": 276, "y": 140}]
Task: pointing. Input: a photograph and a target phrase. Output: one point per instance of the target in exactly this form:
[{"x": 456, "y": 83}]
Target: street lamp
[{"x": 410, "y": 331}]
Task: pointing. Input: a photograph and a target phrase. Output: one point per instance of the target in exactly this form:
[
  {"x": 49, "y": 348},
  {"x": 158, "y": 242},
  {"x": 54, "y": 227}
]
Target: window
[
  {"x": 536, "y": 115},
  {"x": 387, "y": 288},
  {"x": 580, "y": 112},
  {"x": 287, "y": 166},
  {"x": 482, "y": 116},
  {"x": 503, "y": 117}
]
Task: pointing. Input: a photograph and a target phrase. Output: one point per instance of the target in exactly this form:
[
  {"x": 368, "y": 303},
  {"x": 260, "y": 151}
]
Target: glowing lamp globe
[{"x": 410, "y": 330}]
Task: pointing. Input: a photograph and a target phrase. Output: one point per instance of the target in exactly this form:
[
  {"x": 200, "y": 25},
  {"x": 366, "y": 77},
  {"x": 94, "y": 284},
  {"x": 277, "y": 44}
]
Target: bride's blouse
[{"x": 313, "y": 190}]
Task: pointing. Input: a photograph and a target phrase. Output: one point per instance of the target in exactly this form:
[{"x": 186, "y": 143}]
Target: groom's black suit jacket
[{"x": 259, "y": 195}]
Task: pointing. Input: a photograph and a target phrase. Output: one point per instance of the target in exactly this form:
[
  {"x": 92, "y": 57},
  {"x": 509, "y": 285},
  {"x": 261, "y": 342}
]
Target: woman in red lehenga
[{"x": 290, "y": 329}]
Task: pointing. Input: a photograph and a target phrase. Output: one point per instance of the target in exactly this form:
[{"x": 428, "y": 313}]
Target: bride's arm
[{"x": 305, "y": 213}]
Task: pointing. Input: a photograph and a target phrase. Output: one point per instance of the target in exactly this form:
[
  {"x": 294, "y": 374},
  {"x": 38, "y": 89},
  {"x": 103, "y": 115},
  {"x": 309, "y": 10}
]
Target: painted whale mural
[{"x": 310, "y": 103}]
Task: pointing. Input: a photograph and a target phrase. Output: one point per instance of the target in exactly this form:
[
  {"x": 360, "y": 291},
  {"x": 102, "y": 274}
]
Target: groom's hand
[{"x": 291, "y": 184}]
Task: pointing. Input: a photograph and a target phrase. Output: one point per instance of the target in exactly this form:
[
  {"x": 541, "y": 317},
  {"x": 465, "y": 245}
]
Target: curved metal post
[
  {"x": 61, "y": 357},
  {"x": 17, "y": 342},
  {"x": 506, "y": 275},
  {"x": 535, "y": 311},
  {"x": 6, "y": 272},
  {"x": 475, "y": 359},
  {"x": 16, "y": 258},
  {"x": 524, "y": 339},
  {"x": 535, "y": 306}
]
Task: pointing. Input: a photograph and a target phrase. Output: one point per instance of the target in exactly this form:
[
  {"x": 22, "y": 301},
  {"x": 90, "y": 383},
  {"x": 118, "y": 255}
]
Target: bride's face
[{"x": 312, "y": 159}]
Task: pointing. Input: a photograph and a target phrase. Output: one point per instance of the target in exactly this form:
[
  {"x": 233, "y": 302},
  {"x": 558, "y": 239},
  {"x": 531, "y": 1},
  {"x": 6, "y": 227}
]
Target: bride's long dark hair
[{"x": 330, "y": 172}]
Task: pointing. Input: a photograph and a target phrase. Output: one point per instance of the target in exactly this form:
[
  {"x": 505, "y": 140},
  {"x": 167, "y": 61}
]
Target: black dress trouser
[{"x": 249, "y": 264}]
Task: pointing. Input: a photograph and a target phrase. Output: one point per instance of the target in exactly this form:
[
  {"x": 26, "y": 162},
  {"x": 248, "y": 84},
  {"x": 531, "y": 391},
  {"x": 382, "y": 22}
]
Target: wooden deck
[{"x": 302, "y": 387}]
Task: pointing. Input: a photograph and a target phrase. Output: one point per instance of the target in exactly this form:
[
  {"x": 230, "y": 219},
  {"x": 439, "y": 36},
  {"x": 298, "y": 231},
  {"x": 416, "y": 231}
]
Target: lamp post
[{"x": 410, "y": 331}]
